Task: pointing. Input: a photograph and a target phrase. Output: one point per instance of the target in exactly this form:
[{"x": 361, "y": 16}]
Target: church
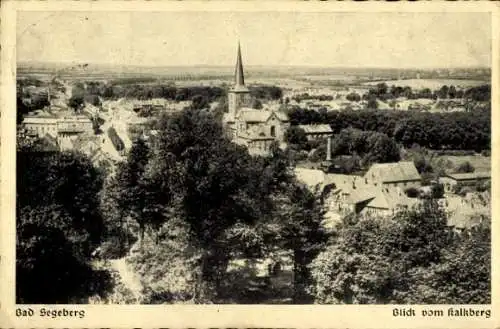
[{"x": 256, "y": 129}]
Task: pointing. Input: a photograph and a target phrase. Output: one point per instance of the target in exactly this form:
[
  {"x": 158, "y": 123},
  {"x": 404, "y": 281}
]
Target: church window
[{"x": 273, "y": 131}]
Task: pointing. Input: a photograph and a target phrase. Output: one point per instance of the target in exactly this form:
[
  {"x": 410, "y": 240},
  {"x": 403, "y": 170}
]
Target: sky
[{"x": 385, "y": 40}]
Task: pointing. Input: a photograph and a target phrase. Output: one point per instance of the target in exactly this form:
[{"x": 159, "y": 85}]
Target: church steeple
[
  {"x": 239, "y": 79},
  {"x": 238, "y": 95}
]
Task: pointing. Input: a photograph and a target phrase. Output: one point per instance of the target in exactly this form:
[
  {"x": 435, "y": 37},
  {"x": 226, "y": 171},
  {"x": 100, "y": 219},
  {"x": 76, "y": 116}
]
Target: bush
[
  {"x": 486, "y": 153},
  {"x": 483, "y": 186},
  {"x": 465, "y": 167},
  {"x": 412, "y": 192},
  {"x": 437, "y": 191}
]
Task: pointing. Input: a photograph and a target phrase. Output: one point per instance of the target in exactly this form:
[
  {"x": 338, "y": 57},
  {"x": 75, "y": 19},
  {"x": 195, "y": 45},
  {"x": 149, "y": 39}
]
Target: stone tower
[{"x": 239, "y": 94}]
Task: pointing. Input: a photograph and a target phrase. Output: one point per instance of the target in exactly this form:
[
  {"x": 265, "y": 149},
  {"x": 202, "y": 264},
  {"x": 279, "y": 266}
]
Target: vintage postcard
[{"x": 249, "y": 164}]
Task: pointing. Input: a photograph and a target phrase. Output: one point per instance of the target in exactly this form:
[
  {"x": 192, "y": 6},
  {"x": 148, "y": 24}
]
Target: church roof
[
  {"x": 251, "y": 115},
  {"x": 239, "y": 79},
  {"x": 281, "y": 115}
]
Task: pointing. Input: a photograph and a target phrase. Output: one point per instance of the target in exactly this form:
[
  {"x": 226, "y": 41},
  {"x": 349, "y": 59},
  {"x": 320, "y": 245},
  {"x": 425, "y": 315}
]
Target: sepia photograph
[
  {"x": 253, "y": 158},
  {"x": 178, "y": 163}
]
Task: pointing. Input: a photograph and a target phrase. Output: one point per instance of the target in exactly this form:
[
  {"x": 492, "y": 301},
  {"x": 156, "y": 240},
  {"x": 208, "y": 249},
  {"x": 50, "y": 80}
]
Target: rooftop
[
  {"x": 317, "y": 129},
  {"x": 470, "y": 176},
  {"x": 252, "y": 115},
  {"x": 393, "y": 172}
]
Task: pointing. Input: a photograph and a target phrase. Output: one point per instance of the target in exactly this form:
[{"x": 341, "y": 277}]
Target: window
[{"x": 273, "y": 131}]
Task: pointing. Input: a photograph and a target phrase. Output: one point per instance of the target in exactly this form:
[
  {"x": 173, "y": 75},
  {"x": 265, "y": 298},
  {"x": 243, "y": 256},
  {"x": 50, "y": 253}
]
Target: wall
[
  {"x": 41, "y": 129},
  {"x": 403, "y": 185}
]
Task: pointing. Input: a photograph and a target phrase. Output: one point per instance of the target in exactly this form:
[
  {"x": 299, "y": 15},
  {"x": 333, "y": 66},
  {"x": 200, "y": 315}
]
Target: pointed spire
[{"x": 239, "y": 80}]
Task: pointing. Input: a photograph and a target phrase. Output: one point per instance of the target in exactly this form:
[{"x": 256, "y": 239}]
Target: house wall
[
  {"x": 75, "y": 125},
  {"x": 259, "y": 146},
  {"x": 403, "y": 185},
  {"x": 42, "y": 128},
  {"x": 448, "y": 183},
  {"x": 370, "y": 211}
]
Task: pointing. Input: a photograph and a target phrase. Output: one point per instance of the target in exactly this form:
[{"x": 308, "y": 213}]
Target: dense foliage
[
  {"x": 383, "y": 92},
  {"x": 37, "y": 101},
  {"x": 227, "y": 202},
  {"x": 140, "y": 90},
  {"x": 411, "y": 258},
  {"x": 58, "y": 225},
  {"x": 461, "y": 130},
  {"x": 372, "y": 147},
  {"x": 266, "y": 93}
]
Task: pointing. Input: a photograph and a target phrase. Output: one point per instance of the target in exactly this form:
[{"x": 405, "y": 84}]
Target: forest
[
  {"x": 187, "y": 202},
  {"x": 168, "y": 91},
  {"x": 437, "y": 131}
]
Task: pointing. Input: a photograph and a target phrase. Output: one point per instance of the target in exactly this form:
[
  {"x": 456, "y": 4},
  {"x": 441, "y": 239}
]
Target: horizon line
[{"x": 311, "y": 66}]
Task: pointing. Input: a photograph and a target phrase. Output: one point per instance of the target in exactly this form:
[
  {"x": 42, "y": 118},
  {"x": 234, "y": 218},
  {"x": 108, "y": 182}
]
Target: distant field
[
  {"x": 431, "y": 83},
  {"x": 480, "y": 163}
]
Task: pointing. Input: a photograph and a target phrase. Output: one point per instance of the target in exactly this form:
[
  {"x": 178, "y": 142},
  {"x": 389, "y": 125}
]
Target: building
[
  {"x": 63, "y": 128},
  {"x": 465, "y": 179},
  {"x": 387, "y": 201},
  {"x": 402, "y": 174},
  {"x": 40, "y": 125},
  {"x": 256, "y": 129},
  {"x": 349, "y": 194},
  {"x": 466, "y": 212}
]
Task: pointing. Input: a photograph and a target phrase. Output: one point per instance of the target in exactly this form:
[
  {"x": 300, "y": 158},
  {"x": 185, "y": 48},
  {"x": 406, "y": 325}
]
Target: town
[
  {"x": 104, "y": 129},
  {"x": 253, "y": 185}
]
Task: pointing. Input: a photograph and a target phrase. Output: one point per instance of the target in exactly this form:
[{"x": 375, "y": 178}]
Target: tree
[
  {"x": 443, "y": 92},
  {"x": 411, "y": 192},
  {"x": 353, "y": 97},
  {"x": 58, "y": 225},
  {"x": 372, "y": 103},
  {"x": 256, "y": 104},
  {"x": 422, "y": 164},
  {"x": 126, "y": 190},
  {"x": 303, "y": 233},
  {"x": 297, "y": 136},
  {"x": 382, "y": 149},
  {"x": 465, "y": 167},
  {"x": 194, "y": 172},
  {"x": 199, "y": 102},
  {"x": 51, "y": 248},
  {"x": 383, "y": 261},
  {"x": 463, "y": 274},
  {"x": 76, "y": 102},
  {"x": 437, "y": 191},
  {"x": 68, "y": 179}
]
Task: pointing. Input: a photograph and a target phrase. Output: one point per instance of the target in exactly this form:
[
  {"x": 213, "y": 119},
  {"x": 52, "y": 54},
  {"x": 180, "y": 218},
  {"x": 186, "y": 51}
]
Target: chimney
[{"x": 329, "y": 149}]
